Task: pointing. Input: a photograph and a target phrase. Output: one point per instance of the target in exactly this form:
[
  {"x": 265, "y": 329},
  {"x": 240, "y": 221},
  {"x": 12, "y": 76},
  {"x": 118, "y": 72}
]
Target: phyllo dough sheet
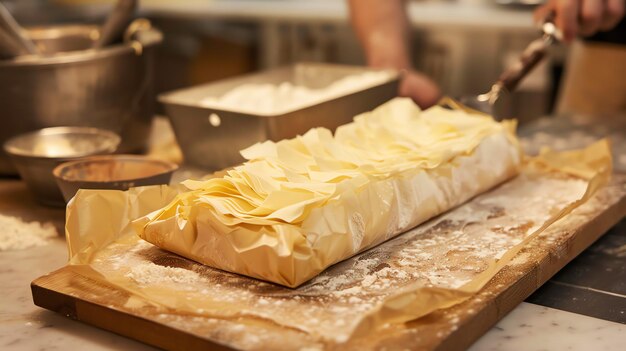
[{"x": 298, "y": 206}]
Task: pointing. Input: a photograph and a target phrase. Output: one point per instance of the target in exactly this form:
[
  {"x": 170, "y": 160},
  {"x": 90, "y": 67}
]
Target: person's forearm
[{"x": 382, "y": 27}]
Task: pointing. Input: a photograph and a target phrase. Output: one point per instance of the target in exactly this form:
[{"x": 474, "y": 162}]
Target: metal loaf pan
[{"x": 211, "y": 138}]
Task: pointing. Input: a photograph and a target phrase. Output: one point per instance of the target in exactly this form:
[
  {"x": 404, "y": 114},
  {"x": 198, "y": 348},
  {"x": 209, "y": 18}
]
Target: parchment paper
[{"x": 434, "y": 266}]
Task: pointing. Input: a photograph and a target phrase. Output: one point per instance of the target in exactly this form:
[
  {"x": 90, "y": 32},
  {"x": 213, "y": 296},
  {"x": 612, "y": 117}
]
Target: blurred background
[{"x": 462, "y": 44}]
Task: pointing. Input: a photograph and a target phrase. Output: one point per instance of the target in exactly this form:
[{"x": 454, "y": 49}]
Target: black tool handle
[{"x": 534, "y": 53}]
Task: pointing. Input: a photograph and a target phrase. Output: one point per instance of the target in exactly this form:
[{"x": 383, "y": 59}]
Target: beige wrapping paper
[
  {"x": 103, "y": 247},
  {"x": 298, "y": 206}
]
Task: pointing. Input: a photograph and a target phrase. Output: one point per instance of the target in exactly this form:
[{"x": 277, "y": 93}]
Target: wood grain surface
[{"x": 106, "y": 307}]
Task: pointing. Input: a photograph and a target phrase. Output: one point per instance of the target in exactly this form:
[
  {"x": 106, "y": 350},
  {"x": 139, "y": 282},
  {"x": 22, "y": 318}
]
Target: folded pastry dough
[{"x": 298, "y": 206}]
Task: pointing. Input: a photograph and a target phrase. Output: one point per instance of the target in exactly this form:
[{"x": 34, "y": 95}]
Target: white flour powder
[
  {"x": 279, "y": 98},
  {"x": 16, "y": 234}
]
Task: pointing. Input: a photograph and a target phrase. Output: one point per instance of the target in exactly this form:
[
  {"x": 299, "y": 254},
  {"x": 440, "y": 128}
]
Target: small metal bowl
[
  {"x": 117, "y": 172},
  {"x": 36, "y": 154}
]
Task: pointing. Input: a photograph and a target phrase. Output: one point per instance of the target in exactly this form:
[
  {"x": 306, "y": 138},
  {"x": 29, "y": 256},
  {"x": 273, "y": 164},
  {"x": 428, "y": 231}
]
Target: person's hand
[
  {"x": 420, "y": 88},
  {"x": 582, "y": 17}
]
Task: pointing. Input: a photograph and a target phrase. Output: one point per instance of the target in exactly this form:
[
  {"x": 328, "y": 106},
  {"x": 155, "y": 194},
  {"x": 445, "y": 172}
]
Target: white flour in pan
[
  {"x": 16, "y": 234},
  {"x": 270, "y": 98}
]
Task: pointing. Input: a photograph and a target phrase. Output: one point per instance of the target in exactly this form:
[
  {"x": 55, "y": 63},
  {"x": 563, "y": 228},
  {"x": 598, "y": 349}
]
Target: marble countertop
[
  {"x": 24, "y": 326},
  {"x": 532, "y": 327}
]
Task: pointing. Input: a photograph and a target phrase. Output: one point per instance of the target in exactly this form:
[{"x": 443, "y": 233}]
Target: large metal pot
[{"x": 72, "y": 85}]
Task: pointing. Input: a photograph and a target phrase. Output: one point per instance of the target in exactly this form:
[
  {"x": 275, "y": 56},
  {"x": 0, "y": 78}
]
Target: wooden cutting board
[{"x": 107, "y": 307}]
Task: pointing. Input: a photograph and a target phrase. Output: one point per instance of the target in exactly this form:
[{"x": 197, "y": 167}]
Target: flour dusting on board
[
  {"x": 15, "y": 234},
  {"x": 150, "y": 273},
  {"x": 446, "y": 252}
]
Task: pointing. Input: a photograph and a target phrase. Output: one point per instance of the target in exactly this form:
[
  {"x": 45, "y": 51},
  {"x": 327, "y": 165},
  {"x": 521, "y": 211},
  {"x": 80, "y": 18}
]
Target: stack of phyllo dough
[{"x": 300, "y": 205}]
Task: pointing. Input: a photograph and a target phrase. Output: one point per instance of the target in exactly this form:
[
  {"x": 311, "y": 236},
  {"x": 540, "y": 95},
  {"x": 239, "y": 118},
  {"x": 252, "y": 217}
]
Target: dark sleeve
[{"x": 615, "y": 36}]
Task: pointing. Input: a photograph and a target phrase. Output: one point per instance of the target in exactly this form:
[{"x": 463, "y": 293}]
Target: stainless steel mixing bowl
[
  {"x": 71, "y": 85},
  {"x": 36, "y": 154}
]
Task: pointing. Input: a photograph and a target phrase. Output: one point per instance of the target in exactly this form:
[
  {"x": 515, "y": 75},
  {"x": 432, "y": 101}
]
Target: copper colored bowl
[{"x": 116, "y": 172}]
